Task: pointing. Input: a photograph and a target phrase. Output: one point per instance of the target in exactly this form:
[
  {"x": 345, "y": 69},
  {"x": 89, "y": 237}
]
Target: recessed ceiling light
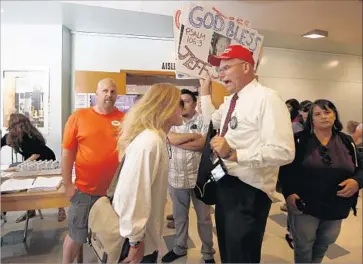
[{"x": 316, "y": 33}]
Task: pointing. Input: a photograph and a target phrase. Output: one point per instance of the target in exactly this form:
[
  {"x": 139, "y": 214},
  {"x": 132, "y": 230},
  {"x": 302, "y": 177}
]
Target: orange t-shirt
[{"x": 94, "y": 136}]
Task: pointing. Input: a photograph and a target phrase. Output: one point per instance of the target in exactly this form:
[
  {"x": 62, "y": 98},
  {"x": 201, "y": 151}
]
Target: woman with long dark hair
[
  {"x": 304, "y": 110},
  {"x": 26, "y": 140},
  {"x": 321, "y": 185},
  {"x": 294, "y": 106}
]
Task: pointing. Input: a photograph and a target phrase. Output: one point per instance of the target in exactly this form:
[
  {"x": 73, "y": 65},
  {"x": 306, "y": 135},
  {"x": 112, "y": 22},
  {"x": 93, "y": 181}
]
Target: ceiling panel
[{"x": 281, "y": 22}]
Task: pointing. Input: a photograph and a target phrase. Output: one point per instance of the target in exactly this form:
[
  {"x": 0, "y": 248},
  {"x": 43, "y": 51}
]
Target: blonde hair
[{"x": 152, "y": 111}]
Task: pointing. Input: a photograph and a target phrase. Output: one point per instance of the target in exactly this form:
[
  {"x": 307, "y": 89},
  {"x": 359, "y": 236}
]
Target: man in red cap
[{"x": 255, "y": 139}]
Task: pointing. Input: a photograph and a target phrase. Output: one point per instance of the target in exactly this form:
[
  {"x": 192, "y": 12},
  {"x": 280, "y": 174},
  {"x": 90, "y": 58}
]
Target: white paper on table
[
  {"x": 4, "y": 167},
  {"x": 37, "y": 173},
  {"x": 5, "y": 174},
  {"x": 45, "y": 184},
  {"x": 14, "y": 185}
]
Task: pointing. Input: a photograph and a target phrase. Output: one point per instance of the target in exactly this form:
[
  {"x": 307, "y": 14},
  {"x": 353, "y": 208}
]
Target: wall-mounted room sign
[{"x": 170, "y": 66}]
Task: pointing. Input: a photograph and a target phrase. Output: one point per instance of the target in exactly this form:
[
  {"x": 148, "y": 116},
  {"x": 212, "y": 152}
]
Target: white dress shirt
[
  {"x": 184, "y": 164},
  {"x": 141, "y": 191},
  {"x": 263, "y": 138}
]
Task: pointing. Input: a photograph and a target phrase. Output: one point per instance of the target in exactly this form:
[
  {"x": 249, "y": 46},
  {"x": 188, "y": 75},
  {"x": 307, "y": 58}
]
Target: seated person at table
[{"x": 26, "y": 140}]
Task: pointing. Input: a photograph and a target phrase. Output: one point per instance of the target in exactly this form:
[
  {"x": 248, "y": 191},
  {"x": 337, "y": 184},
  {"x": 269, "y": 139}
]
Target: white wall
[
  {"x": 66, "y": 74},
  {"x": 33, "y": 46},
  {"x": 314, "y": 75},
  {"x": 294, "y": 74},
  {"x": 94, "y": 52}
]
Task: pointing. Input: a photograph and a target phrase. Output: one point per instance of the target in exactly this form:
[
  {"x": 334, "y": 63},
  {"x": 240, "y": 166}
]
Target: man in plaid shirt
[{"x": 187, "y": 141}]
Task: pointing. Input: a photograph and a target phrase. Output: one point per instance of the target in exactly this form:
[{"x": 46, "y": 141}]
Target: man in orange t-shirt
[{"x": 90, "y": 142}]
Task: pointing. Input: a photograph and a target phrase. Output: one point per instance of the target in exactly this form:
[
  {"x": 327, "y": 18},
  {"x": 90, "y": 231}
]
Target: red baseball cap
[{"x": 232, "y": 52}]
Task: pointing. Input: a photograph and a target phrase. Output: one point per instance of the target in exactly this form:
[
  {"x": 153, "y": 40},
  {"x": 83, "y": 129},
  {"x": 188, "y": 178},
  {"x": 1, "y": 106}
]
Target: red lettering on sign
[
  {"x": 239, "y": 21},
  {"x": 219, "y": 13},
  {"x": 177, "y": 18}
]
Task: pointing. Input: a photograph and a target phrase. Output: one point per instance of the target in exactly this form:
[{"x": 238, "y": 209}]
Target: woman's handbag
[{"x": 104, "y": 227}]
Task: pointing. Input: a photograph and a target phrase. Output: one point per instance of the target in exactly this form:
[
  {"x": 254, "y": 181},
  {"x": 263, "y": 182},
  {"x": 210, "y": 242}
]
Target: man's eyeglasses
[{"x": 324, "y": 155}]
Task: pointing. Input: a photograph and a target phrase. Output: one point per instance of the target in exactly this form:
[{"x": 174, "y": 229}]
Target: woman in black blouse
[
  {"x": 26, "y": 140},
  {"x": 321, "y": 185}
]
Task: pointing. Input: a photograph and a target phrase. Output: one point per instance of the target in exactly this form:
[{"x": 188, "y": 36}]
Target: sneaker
[
  {"x": 171, "y": 256},
  {"x": 283, "y": 207},
  {"x": 170, "y": 217},
  {"x": 171, "y": 225},
  {"x": 209, "y": 261}
]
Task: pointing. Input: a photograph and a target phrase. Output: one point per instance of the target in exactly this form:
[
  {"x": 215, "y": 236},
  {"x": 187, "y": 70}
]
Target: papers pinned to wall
[{"x": 81, "y": 100}]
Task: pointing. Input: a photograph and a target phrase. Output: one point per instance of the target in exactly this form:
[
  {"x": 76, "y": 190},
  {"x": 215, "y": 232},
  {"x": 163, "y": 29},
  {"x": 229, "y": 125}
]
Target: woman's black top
[
  {"x": 30, "y": 146},
  {"x": 317, "y": 171}
]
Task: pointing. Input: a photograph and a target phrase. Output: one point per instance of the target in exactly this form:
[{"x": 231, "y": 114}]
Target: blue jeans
[{"x": 312, "y": 236}]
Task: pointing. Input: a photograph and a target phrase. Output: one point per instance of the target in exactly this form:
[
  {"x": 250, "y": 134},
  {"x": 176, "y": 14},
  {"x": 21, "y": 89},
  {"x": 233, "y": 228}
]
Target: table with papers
[
  {"x": 36, "y": 196},
  {"x": 39, "y": 184},
  {"x": 38, "y": 193}
]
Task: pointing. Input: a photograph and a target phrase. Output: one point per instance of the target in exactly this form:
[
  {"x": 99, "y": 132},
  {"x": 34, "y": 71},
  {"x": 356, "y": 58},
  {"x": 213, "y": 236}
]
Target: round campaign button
[
  {"x": 233, "y": 123},
  {"x": 115, "y": 123}
]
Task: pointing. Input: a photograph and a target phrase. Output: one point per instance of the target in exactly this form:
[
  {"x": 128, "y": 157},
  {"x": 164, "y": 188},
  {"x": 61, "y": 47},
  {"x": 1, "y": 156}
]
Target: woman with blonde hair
[{"x": 140, "y": 194}]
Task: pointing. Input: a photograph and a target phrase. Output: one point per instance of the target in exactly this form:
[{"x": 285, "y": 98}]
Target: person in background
[
  {"x": 352, "y": 126},
  {"x": 255, "y": 139},
  {"x": 26, "y": 140},
  {"x": 183, "y": 170},
  {"x": 170, "y": 217},
  {"x": 321, "y": 185},
  {"x": 303, "y": 114},
  {"x": 355, "y": 129},
  {"x": 140, "y": 194},
  {"x": 294, "y": 107},
  {"x": 297, "y": 125},
  {"x": 304, "y": 110},
  {"x": 89, "y": 142}
]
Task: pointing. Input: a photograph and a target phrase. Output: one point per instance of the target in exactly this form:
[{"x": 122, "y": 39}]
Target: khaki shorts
[{"x": 78, "y": 213}]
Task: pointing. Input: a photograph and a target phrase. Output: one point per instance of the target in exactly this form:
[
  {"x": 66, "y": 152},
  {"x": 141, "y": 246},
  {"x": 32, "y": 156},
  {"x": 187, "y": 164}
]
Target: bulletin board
[
  {"x": 26, "y": 91},
  {"x": 86, "y": 82}
]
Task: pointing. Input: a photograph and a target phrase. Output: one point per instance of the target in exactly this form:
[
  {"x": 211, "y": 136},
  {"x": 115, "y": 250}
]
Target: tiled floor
[{"x": 44, "y": 243}]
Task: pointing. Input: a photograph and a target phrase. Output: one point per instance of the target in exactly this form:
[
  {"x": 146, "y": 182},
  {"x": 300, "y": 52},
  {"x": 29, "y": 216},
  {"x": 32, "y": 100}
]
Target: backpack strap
[{"x": 111, "y": 189}]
